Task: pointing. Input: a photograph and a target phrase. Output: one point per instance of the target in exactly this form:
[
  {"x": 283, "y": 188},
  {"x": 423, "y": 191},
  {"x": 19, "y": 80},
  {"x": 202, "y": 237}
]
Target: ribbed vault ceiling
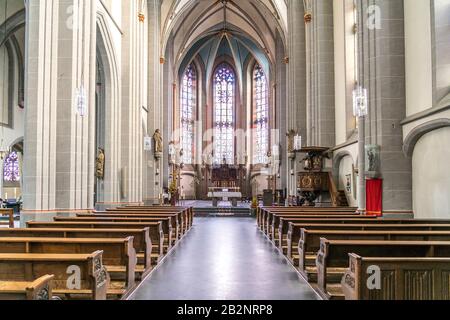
[{"x": 197, "y": 26}]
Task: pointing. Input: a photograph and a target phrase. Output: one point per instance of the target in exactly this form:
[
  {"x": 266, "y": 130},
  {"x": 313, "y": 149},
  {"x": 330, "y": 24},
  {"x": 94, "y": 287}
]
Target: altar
[{"x": 225, "y": 194}]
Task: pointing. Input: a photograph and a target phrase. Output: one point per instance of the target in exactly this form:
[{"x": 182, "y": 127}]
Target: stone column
[
  {"x": 153, "y": 184},
  {"x": 134, "y": 98},
  {"x": 382, "y": 51},
  {"x": 58, "y": 167},
  {"x": 296, "y": 110},
  {"x": 281, "y": 108},
  {"x": 320, "y": 74}
]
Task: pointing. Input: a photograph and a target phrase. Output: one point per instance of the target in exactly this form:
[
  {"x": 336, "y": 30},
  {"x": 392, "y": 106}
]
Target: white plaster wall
[
  {"x": 418, "y": 56},
  {"x": 431, "y": 175}
]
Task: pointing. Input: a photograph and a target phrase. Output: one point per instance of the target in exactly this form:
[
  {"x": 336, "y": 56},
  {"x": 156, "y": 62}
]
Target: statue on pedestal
[
  {"x": 100, "y": 164},
  {"x": 158, "y": 141}
]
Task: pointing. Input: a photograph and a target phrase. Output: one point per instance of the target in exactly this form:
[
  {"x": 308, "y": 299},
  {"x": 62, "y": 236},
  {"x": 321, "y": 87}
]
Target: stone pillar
[
  {"x": 134, "y": 98},
  {"x": 153, "y": 184},
  {"x": 58, "y": 167},
  {"x": 320, "y": 74},
  {"x": 281, "y": 108},
  {"x": 382, "y": 51},
  {"x": 296, "y": 110}
]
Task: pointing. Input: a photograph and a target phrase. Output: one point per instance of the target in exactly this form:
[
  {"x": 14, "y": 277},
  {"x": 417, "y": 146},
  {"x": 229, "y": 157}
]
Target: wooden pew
[
  {"x": 280, "y": 225},
  {"x": 399, "y": 278},
  {"x": 270, "y": 216},
  {"x": 262, "y": 212},
  {"x": 142, "y": 242},
  {"x": 156, "y": 232},
  {"x": 332, "y": 259},
  {"x": 10, "y": 214},
  {"x": 309, "y": 243},
  {"x": 165, "y": 222},
  {"x": 119, "y": 256},
  {"x": 40, "y": 289},
  {"x": 187, "y": 211},
  {"x": 182, "y": 217},
  {"x": 294, "y": 228},
  {"x": 29, "y": 267},
  {"x": 176, "y": 226}
]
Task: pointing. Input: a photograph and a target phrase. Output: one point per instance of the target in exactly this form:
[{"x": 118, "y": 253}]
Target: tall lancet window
[
  {"x": 187, "y": 117},
  {"x": 260, "y": 115},
  {"x": 224, "y": 104}
]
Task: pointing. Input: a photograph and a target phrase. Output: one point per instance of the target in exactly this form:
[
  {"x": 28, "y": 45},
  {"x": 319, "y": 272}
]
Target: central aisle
[{"x": 225, "y": 259}]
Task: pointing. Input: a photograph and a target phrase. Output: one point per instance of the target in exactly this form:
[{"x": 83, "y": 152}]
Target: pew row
[
  {"x": 263, "y": 212},
  {"x": 119, "y": 256},
  {"x": 421, "y": 278},
  {"x": 142, "y": 242},
  {"x": 294, "y": 231},
  {"x": 155, "y": 228},
  {"x": 177, "y": 223},
  {"x": 309, "y": 243},
  {"x": 93, "y": 277},
  {"x": 166, "y": 224},
  {"x": 39, "y": 289},
  {"x": 332, "y": 259},
  {"x": 281, "y": 231},
  {"x": 188, "y": 212}
]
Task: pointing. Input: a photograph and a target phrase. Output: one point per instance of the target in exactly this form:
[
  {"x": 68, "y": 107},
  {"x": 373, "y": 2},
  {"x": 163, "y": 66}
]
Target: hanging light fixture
[
  {"x": 81, "y": 101},
  {"x": 360, "y": 104}
]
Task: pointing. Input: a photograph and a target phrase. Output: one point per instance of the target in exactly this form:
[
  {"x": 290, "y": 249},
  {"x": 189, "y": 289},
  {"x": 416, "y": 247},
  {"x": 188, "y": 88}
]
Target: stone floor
[{"x": 225, "y": 259}]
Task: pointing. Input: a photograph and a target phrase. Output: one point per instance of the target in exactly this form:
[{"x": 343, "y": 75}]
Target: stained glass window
[
  {"x": 224, "y": 102},
  {"x": 188, "y": 108},
  {"x": 260, "y": 115},
  {"x": 11, "y": 171}
]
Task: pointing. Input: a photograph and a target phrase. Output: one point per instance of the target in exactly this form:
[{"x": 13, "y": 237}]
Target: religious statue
[
  {"x": 291, "y": 136},
  {"x": 100, "y": 164},
  {"x": 307, "y": 163},
  {"x": 157, "y": 139}
]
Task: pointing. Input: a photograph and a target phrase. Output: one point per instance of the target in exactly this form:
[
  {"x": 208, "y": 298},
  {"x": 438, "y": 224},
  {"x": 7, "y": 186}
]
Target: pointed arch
[
  {"x": 224, "y": 109},
  {"x": 188, "y": 110}
]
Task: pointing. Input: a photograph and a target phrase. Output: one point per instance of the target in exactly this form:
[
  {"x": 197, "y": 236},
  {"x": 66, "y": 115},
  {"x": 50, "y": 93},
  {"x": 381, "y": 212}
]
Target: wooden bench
[
  {"x": 401, "y": 278},
  {"x": 176, "y": 226},
  {"x": 309, "y": 243},
  {"x": 280, "y": 225},
  {"x": 94, "y": 279},
  {"x": 294, "y": 231},
  {"x": 119, "y": 256},
  {"x": 184, "y": 220},
  {"x": 142, "y": 242},
  {"x": 261, "y": 212},
  {"x": 40, "y": 289},
  {"x": 10, "y": 214},
  {"x": 332, "y": 259},
  {"x": 187, "y": 211},
  {"x": 155, "y": 228},
  {"x": 166, "y": 224},
  {"x": 182, "y": 216},
  {"x": 270, "y": 217}
]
